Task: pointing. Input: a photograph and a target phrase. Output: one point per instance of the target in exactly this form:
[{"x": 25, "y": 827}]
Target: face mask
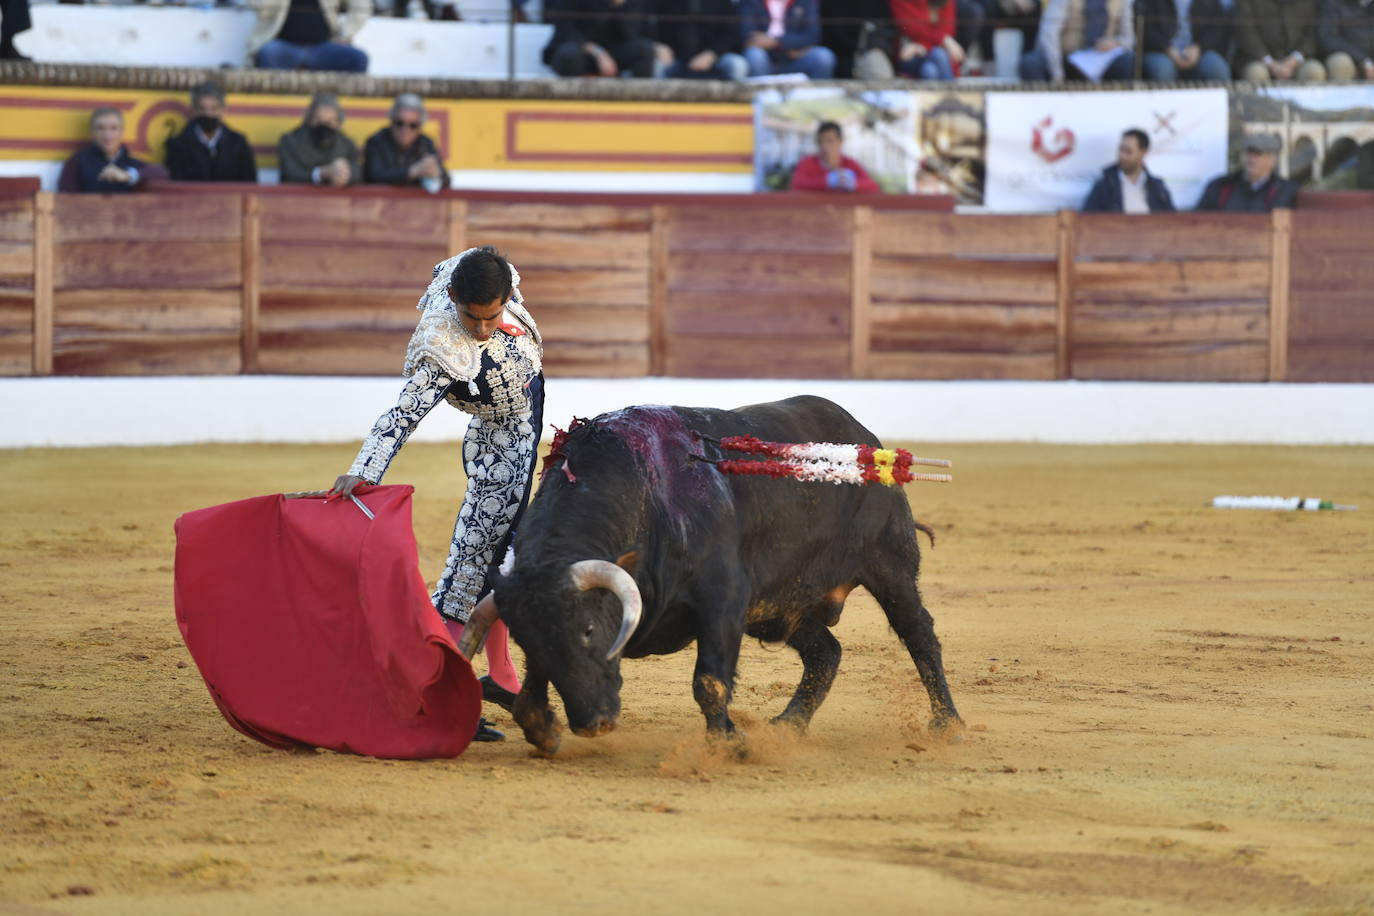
[
  {"x": 208, "y": 124},
  {"x": 322, "y": 134}
]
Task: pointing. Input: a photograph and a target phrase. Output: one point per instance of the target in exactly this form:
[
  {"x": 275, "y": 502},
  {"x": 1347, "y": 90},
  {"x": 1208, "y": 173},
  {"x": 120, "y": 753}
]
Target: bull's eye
[{"x": 587, "y": 635}]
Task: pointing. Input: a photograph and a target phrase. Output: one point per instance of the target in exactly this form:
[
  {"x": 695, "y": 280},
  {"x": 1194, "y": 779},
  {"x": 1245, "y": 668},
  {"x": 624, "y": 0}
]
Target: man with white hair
[{"x": 400, "y": 154}]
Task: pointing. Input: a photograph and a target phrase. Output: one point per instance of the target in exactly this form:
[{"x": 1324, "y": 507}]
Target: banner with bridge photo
[
  {"x": 1326, "y": 132},
  {"x": 1045, "y": 149}
]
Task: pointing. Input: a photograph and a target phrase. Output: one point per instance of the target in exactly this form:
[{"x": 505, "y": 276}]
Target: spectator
[
  {"x": 781, "y": 36},
  {"x": 1257, "y": 187},
  {"x": 14, "y": 18},
  {"x": 1277, "y": 40},
  {"x": 1127, "y": 186},
  {"x": 830, "y": 169},
  {"x": 1345, "y": 31},
  {"x": 1082, "y": 33},
  {"x": 308, "y": 35},
  {"x": 1186, "y": 38},
  {"x": 318, "y": 152},
  {"x": 978, "y": 25},
  {"x": 601, "y": 38},
  {"x": 927, "y": 48},
  {"x": 857, "y": 30},
  {"x": 104, "y": 164},
  {"x": 704, "y": 38},
  {"x": 206, "y": 149},
  {"x": 400, "y": 154}
]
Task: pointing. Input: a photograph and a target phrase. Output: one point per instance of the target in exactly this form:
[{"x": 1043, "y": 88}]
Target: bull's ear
[{"x": 628, "y": 561}]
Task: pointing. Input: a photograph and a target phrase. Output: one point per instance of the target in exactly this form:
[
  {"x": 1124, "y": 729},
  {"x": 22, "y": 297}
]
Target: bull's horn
[
  {"x": 603, "y": 574},
  {"x": 475, "y": 630}
]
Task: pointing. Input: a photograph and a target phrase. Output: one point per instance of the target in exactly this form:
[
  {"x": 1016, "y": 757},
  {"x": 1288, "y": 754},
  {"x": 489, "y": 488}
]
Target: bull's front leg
[
  {"x": 531, "y": 711},
  {"x": 713, "y": 681}
]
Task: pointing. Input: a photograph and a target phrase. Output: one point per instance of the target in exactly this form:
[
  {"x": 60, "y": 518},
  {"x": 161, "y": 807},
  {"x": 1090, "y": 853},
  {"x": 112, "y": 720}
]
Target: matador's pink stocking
[{"x": 499, "y": 665}]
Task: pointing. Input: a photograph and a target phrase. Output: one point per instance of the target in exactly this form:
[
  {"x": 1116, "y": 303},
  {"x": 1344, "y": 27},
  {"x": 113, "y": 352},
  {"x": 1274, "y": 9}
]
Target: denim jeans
[
  {"x": 1035, "y": 68},
  {"x": 727, "y": 67},
  {"x": 818, "y": 63},
  {"x": 934, "y": 66},
  {"x": 332, "y": 55},
  {"x": 1211, "y": 67}
]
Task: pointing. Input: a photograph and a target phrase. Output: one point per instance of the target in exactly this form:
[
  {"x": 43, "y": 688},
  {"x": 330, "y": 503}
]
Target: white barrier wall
[{"x": 165, "y": 411}]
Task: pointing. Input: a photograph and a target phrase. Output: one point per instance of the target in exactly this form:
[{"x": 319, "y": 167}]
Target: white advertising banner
[{"x": 1045, "y": 149}]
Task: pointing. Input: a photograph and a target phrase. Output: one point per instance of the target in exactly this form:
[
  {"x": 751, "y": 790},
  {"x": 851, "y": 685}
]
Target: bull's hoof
[
  {"x": 949, "y": 729},
  {"x": 732, "y": 743},
  {"x": 796, "y": 723},
  {"x": 546, "y": 748}
]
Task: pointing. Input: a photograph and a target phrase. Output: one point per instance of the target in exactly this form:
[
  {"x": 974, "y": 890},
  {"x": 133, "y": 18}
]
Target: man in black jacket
[
  {"x": 1277, "y": 40},
  {"x": 400, "y": 154},
  {"x": 206, "y": 149},
  {"x": 1257, "y": 187},
  {"x": 704, "y": 38},
  {"x": 599, "y": 38},
  {"x": 1191, "y": 47},
  {"x": 1128, "y": 187},
  {"x": 1345, "y": 33}
]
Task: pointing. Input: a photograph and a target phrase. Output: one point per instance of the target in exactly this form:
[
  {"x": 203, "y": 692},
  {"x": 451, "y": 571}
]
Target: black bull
[{"x": 712, "y": 558}]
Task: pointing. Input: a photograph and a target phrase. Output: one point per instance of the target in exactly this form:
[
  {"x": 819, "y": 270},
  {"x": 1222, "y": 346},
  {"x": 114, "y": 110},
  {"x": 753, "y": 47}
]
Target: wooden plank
[
  {"x": 43, "y": 281},
  {"x": 420, "y": 221},
  {"x": 953, "y": 280},
  {"x": 1147, "y": 324},
  {"x": 715, "y": 356},
  {"x": 334, "y": 265},
  {"x": 16, "y": 219},
  {"x": 658, "y": 290},
  {"x": 626, "y": 288},
  {"x": 1331, "y": 317},
  {"x": 147, "y": 218},
  {"x": 457, "y": 227},
  {"x": 1170, "y": 281},
  {"x": 16, "y": 259},
  {"x": 1330, "y": 361},
  {"x": 532, "y": 251},
  {"x": 133, "y": 265},
  {"x": 1187, "y": 236},
  {"x": 767, "y": 315},
  {"x": 250, "y": 289},
  {"x": 486, "y": 215},
  {"x": 137, "y": 353},
  {"x": 562, "y": 325},
  {"x": 1066, "y": 228},
  {"x": 596, "y": 360},
  {"x": 1281, "y": 253},
  {"x": 905, "y": 233},
  {"x": 742, "y": 274},
  {"x": 1331, "y": 231},
  {"x": 938, "y": 365},
  {"x": 16, "y": 332},
  {"x": 154, "y": 312},
  {"x": 282, "y": 310},
  {"x": 860, "y": 294},
  {"x": 1328, "y": 272},
  {"x": 332, "y": 352},
  {"x": 1199, "y": 361},
  {"x": 963, "y": 327},
  {"x": 784, "y": 231}
]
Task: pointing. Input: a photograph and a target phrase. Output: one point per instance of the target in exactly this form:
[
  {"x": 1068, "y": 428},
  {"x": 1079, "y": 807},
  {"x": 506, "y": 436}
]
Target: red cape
[{"x": 311, "y": 626}]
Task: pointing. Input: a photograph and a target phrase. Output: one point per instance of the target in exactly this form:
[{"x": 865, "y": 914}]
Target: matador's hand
[{"x": 344, "y": 486}]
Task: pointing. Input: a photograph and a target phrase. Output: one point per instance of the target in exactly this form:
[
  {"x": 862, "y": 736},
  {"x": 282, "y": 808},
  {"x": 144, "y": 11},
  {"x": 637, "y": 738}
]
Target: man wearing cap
[{"x": 1256, "y": 188}]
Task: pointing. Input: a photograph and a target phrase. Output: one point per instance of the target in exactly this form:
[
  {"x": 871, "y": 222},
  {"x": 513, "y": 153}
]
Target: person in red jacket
[
  {"x": 926, "y": 48},
  {"x": 831, "y": 169}
]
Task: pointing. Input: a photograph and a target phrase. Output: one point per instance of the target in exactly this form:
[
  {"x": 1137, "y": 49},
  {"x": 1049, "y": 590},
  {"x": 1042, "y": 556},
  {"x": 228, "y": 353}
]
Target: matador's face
[{"x": 481, "y": 318}]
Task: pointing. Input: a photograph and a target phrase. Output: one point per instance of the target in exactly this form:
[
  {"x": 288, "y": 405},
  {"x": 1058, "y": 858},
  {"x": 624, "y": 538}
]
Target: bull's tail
[{"x": 930, "y": 533}]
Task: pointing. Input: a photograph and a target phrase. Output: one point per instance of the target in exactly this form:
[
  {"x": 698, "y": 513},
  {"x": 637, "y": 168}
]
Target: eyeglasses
[{"x": 413, "y": 125}]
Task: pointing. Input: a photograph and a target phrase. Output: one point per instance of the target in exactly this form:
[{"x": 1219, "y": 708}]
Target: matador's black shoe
[
  {"x": 493, "y": 692},
  {"x": 486, "y": 733}
]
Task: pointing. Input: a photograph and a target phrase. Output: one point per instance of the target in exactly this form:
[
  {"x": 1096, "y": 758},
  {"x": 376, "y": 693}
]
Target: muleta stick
[{"x": 828, "y": 462}]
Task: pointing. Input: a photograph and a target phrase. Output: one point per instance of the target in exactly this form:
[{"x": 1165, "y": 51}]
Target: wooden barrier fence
[{"x": 230, "y": 281}]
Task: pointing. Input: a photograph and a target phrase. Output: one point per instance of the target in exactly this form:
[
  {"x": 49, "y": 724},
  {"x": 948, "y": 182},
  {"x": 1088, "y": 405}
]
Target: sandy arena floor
[{"x": 1171, "y": 710}]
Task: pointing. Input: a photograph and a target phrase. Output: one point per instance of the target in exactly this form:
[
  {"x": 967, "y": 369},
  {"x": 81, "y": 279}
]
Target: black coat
[
  {"x": 1276, "y": 27},
  {"x": 692, "y": 26},
  {"x": 384, "y": 162},
  {"x": 231, "y": 159},
  {"x": 1210, "y": 22},
  {"x": 1105, "y": 197},
  {"x": 1345, "y": 25},
  {"x": 598, "y": 21},
  {"x": 81, "y": 172},
  {"x": 1233, "y": 193}
]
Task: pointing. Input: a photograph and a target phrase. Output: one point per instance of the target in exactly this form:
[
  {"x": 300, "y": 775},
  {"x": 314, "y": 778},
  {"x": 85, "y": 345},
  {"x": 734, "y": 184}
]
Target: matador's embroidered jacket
[{"x": 499, "y": 382}]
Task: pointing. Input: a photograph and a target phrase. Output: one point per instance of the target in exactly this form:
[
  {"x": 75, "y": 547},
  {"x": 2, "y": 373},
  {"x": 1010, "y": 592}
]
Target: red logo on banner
[{"x": 1063, "y": 141}]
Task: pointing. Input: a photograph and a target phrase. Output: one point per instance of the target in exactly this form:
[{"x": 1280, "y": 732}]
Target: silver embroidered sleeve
[{"x": 421, "y": 392}]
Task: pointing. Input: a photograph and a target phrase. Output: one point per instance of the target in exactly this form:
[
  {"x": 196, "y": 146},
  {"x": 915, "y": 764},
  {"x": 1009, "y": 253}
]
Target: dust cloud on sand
[{"x": 1168, "y": 707}]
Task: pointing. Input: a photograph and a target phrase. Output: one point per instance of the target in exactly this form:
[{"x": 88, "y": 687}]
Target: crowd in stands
[{"x": 1211, "y": 40}]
